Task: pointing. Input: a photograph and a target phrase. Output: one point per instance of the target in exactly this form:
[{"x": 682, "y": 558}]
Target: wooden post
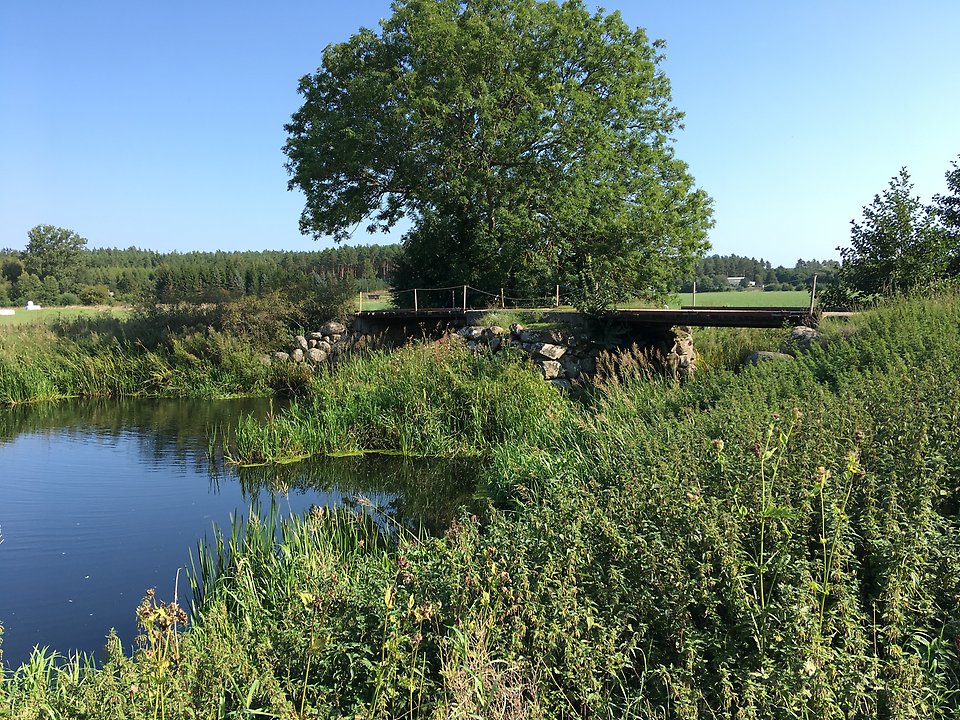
[
  {"x": 361, "y": 301},
  {"x": 502, "y": 305},
  {"x": 813, "y": 294},
  {"x": 694, "y": 293},
  {"x": 415, "y": 308},
  {"x": 464, "y": 298},
  {"x": 556, "y": 299}
]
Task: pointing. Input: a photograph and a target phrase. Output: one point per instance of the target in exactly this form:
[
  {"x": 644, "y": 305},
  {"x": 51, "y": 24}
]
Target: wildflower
[{"x": 718, "y": 445}]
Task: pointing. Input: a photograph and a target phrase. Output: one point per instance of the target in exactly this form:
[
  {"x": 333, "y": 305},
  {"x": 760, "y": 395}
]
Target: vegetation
[
  {"x": 713, "y": 273},
  {"x": 102, "y": 275},
  {"x": 777, "y": 542},
  {"x": 900, "y": 244},
  {"x": 529, "y": 144},
  {"x": 193, "y": 351}
]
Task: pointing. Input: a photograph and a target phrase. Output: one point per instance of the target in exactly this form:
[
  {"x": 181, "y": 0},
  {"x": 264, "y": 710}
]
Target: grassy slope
[{"x": 780, "y": 542}]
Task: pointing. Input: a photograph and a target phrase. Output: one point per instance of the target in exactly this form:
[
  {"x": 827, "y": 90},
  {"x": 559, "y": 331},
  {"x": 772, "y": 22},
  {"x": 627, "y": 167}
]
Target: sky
[{"x": 160, "y": 125}]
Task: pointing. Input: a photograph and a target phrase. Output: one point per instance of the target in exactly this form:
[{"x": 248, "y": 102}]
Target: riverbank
[{"x": 777, "y": 541}]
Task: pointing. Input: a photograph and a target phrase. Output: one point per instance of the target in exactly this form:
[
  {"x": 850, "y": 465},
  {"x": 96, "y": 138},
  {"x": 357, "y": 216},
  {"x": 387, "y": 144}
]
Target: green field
[
  {"x": 24, "y": 317},
  {"x": 747, "y": 298}
]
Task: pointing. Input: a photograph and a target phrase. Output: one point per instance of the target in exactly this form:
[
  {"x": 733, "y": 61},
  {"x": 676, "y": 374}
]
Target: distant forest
[
  {"x": 712, "y": 274},
  {"x": 96, "y": 276}
]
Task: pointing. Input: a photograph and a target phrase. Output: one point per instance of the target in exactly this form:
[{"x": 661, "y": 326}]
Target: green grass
[
  {"x": 747, "y": 298},
  {"x": 47, "y": 315}
]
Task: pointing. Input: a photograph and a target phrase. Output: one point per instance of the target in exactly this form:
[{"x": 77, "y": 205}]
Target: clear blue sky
[{"x": 160, "y": 124}]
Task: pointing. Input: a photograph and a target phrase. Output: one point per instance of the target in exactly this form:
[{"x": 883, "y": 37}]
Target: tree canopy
[{"x": 523, "y": 141}]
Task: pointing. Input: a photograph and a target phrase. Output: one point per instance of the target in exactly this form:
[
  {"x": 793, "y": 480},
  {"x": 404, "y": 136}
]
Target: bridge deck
[{"x": 700, "y": 317}]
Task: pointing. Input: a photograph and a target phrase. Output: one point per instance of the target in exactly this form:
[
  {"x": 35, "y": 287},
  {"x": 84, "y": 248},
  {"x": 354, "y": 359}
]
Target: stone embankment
[
  {"x": 315, "y": 347},
  {"x": 564, "y": 356},
  {"x": 567, "y": 358}
]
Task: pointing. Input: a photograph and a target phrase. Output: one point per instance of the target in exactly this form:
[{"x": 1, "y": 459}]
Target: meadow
[
  {"x": 778, "y": 541},
  {"x": 58, "y": 314},
  {"x": 746, "y": 298}
]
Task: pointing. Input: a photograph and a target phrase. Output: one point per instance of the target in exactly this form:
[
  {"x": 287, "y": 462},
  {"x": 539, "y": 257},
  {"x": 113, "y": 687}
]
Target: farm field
[
  {"x": 23, "y": 317},
  {"x": 747, "y": 298}
]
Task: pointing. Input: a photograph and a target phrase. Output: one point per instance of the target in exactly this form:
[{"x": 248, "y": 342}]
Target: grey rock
[
  {"x": 471, "y": 345},
  {"x": 562, "y": 383},
  {"x": 297, "y": 355},
  {"x": 493, "y": 331},
  {"x": 264, "y": 359},
  {"x": 323, "y": 346},
  {"x": 315, "y": 336},
  {"x": 281, "y": 356},
  {"x": 471, "y": 332},
  {"x": 765, "y": 356},
  {"x": 311, "y": 343},
  {"x": 801, "y": 339},
  {"x": 495, "y": 344},
  {"x": 553, "y": 352},
  {"x": 335, "y": 338},
  {"x": 588, "y": 365},
  {"x": 315, "y": 355},
  {"x": 551, "y": 369},
  {"x": 333, "y": 328},
  {"x": 300, "y": 342},
  {"x": 570, "y": 365}
]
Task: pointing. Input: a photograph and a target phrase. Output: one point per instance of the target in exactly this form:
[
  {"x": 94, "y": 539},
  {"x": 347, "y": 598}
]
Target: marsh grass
[{"x": 432, "y": 399}]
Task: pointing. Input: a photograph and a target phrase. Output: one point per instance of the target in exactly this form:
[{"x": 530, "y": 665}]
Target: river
[{"x": 101, "y": 500}]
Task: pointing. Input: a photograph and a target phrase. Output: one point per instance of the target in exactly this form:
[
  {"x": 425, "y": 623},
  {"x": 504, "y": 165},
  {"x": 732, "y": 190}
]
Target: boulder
[
  {"x": 311, "y": 343},
  {"x": 570, "y": 365},
  {"x": 562, "y": 383},
  {"x": 315, "y": 355},
  {"x": 766, "y": 356},
  {"x": 323, "y": 346},
  {"x": 297, "y": 355},
  {"x": 551, "y": 369},
  {"x": 551, "y": 352},
  {"x": 264, "y": 359},
  {"x": 471, "y": 332},
  {"x": 493, "y": 331},
  {"x": 333, "y": 328},
  {"x": 335, "y": 338},
  {"x": 300, "y": 342},
  {"x": 495, "y": 344},
  {"x": 315, "y": 336},
  {"x": 281, "y": 356},
  {"x": 800, "y": 340}
]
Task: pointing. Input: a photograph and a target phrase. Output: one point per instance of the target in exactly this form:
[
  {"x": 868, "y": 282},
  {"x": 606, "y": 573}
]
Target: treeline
[
  {"x": 57, "y": 268},
  {"x": 713, "y": 273}
]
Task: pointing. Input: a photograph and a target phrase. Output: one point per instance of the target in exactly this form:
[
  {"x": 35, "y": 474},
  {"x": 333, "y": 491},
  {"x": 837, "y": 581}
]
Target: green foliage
[
  {"x": 437, "y": 400},
  {"x": 53, "y": 251},
  {"x": 519, "y": 137},
  {"x": 897, "y": 247},
  {"x": 779, "y": 542}
]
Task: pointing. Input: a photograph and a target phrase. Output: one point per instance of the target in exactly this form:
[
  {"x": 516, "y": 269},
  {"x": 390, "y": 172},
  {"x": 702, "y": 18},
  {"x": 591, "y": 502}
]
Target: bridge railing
[{"x": 467, "y": 297}]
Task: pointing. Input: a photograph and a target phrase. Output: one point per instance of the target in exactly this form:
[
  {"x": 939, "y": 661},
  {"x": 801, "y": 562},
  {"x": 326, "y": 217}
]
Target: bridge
[{"x": 653, "y": 318}]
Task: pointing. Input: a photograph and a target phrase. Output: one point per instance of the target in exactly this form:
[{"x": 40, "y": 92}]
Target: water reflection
[{"x": 100, "y": 500}]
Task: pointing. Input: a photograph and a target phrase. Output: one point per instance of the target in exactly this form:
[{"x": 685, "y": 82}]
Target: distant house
[
  {"x": 737, "y": 280},
  {"x": 31, "y": 306}
]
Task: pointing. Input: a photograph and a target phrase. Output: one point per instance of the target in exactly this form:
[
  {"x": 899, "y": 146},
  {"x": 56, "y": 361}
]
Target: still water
[{"x": 100, "y": 501}]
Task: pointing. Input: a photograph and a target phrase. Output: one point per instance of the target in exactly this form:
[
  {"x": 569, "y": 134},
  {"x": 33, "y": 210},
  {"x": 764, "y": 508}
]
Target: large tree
[
  {"x": 53, "y": 251},
  {"x": 524, "y": 141}
]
